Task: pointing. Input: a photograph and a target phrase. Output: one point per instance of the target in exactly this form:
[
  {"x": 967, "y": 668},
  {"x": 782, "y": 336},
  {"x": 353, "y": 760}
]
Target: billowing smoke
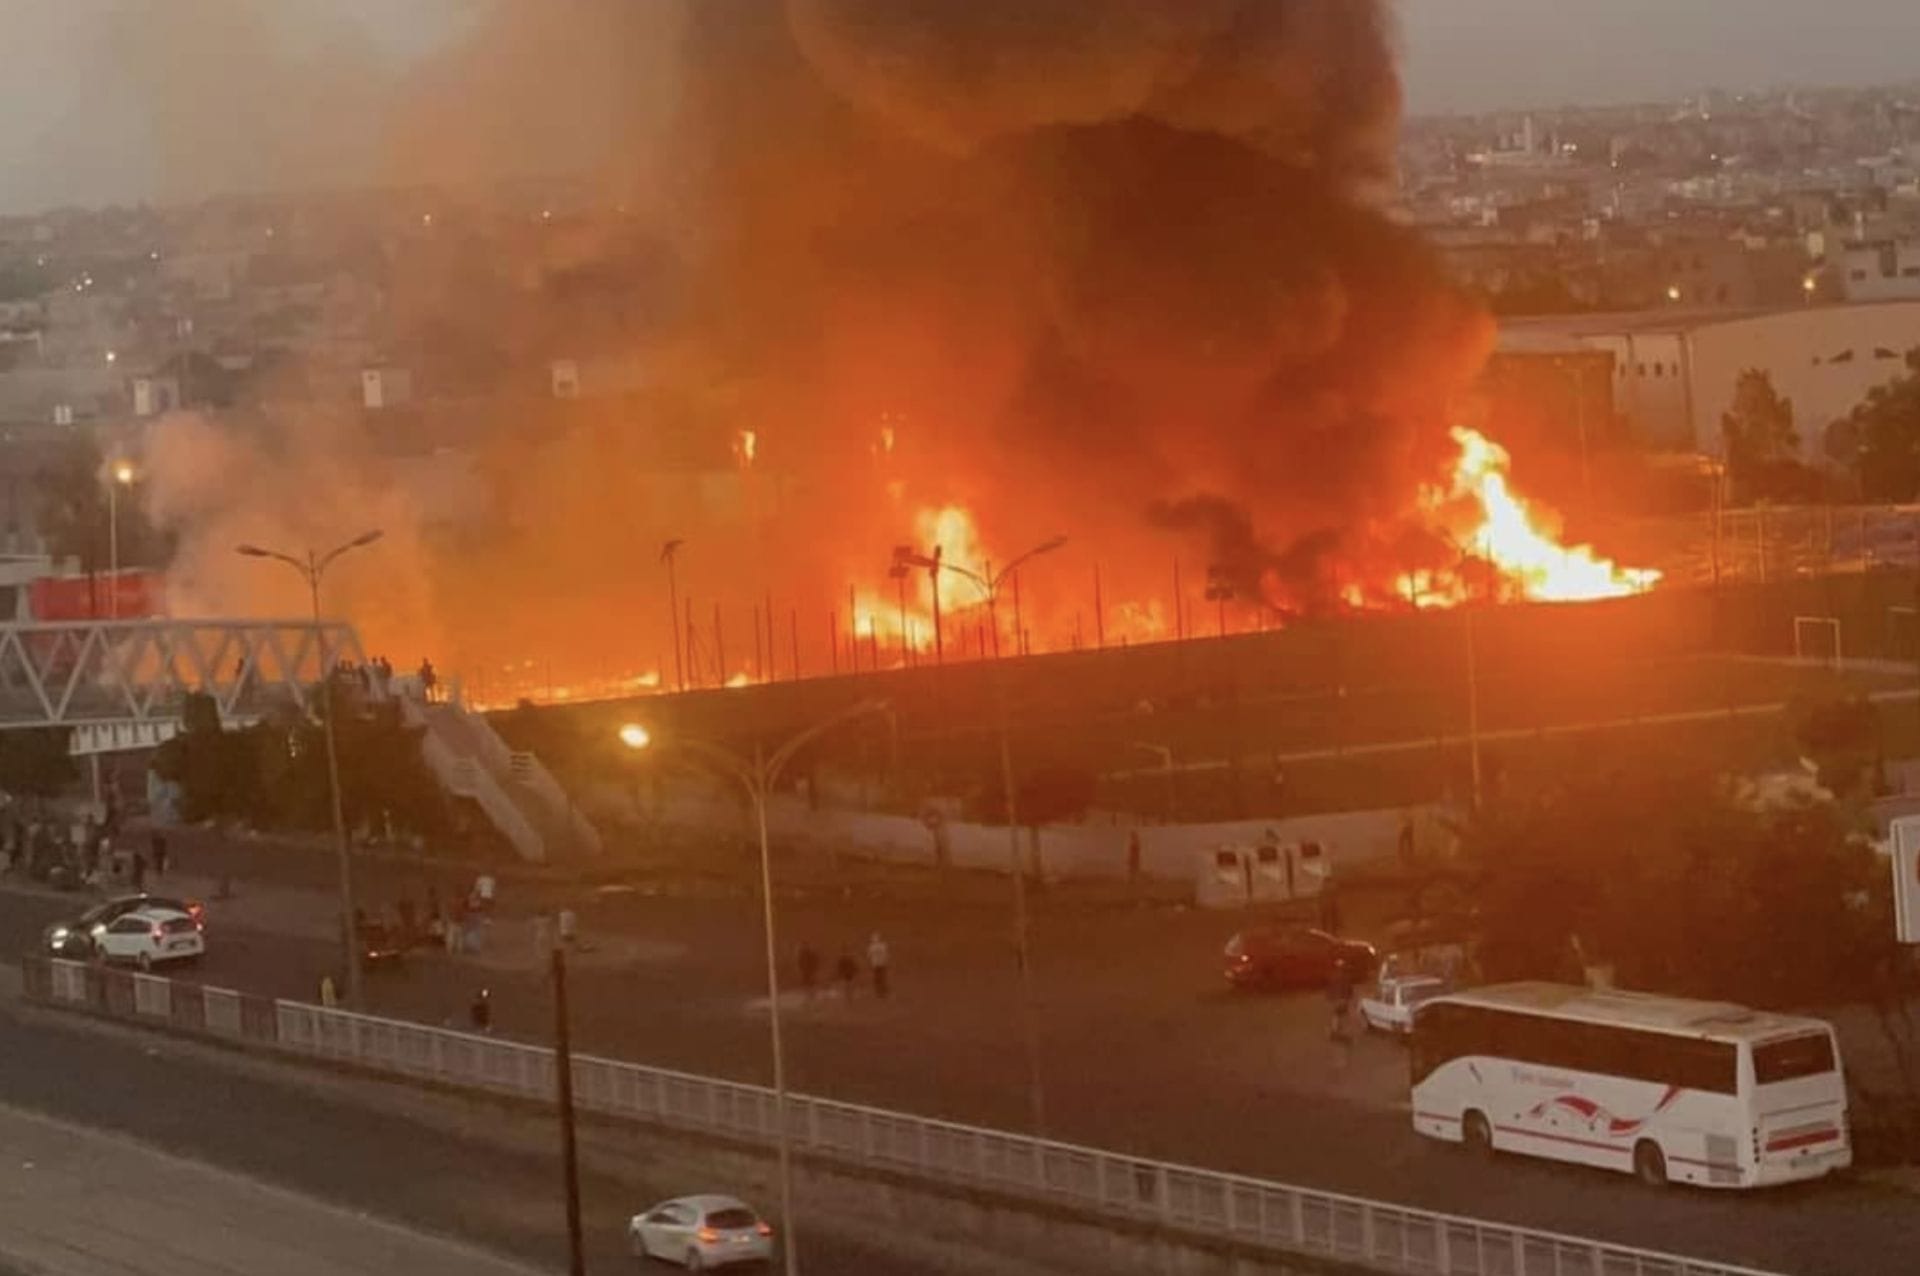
[{"x": 1114, "y": 270}]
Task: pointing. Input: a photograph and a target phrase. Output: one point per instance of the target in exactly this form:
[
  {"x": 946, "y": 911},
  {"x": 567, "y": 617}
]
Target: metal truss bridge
[{"x": 121, "y": 684}]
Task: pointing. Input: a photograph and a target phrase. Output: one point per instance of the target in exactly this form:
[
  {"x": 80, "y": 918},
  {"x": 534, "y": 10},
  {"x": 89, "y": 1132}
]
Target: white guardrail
[{"x": 1204, "y": 1204}]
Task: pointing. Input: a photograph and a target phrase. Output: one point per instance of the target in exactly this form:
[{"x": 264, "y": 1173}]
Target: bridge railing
[{"x": 1218, "y": 1208}]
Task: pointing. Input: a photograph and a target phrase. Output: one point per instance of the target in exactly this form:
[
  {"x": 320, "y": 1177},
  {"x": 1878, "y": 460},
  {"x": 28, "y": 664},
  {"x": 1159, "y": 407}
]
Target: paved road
[
  {"x": 1140, "y": 1050},
  {"x": 176, "y": 1217},
  {"x": 271, "y": 1125}
]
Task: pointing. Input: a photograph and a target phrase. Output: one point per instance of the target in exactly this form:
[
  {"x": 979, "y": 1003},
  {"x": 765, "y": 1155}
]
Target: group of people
[
  {"x": 80, "y": 853},
  {"x": 846, "y": 969},
  {"x": 376, "y": 676}
]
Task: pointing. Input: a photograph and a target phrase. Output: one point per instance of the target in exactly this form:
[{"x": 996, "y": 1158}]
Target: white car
[
  {"x": 150, "y": 936},
  {"x": 1389, "y": 1005},
  {"x": 701, "y": 1233}
]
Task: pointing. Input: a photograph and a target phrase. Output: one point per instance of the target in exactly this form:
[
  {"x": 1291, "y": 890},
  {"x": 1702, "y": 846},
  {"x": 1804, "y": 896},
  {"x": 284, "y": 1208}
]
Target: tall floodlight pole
[
  {"x": 989, "y": 584},
  {"x": 312, "y": 569},
  {"x": 668, "y": 553},
  {"x": 122, "y": 476},
  {"x": 758, "y": 775}
]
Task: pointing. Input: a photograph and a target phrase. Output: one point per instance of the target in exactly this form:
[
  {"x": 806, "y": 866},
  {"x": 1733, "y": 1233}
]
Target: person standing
[
  {"x": 139, "y": 873},
  {"x": 877, "y": 958},
  {"x": 1339, "y": 1000},
  {"x": 481, "y": 1011},
  {"x": 809, "y": 962},
  {"x": 569, "y": 927},
  {"x": 848, "y": 971},
  {"x": 159, "y": 853}
]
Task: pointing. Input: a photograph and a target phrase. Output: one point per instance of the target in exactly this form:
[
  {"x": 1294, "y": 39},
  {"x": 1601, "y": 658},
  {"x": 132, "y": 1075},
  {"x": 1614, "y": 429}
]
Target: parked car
[
  {"x": 149, "y": 936},
  {"x": 74, "y": 938},
  {"x": 1295, "y": 957},
  {"x": 1389, "y": 1006},
  {"x": 701, "y": 1233}
]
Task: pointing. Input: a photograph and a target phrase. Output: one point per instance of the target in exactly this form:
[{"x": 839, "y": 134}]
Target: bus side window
[{"x": 1437, "y": 1039}]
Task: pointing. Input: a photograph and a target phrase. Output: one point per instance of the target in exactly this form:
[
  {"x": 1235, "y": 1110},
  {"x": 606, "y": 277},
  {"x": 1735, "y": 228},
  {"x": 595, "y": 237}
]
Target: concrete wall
[
  {"x": 1824, "y": 358},
  {"x": 1095, "y": 849}
]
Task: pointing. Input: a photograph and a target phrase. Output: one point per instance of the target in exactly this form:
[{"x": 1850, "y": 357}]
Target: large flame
[{"x": 1506, "y": 531}]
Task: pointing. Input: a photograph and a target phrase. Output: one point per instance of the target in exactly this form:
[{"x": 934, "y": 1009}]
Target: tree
[
  {"x": 1760, "y": 440},
  {"x": 35, "y": 763},
  {"x": 1841, "y": 737},
  {"x": 1886, "y": 435},
  {"x": 1667, "y": 877}
]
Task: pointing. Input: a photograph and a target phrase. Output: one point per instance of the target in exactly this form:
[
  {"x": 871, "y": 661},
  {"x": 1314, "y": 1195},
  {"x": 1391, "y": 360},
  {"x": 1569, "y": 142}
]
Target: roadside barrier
[{"x": 1226, "y": 1208}]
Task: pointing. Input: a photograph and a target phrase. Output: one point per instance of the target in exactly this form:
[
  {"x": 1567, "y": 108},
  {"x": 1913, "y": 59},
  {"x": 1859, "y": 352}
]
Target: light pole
[
  {"x": 1473, "y": 663},
  {"x": 904, "y": 557},
  {"x": 563, "y": 1075},
  {"x": 989, "y": 585},
  {"x": 757, "y": 776},
  {"x": 668, "y": 552},
  {"x": 122, "y": 476},
  {"x": 312, "y": 568}
]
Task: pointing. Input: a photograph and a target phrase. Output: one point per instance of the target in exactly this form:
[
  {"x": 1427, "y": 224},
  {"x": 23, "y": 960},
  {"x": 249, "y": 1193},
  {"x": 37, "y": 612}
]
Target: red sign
[{"x": 132, "y": 595}]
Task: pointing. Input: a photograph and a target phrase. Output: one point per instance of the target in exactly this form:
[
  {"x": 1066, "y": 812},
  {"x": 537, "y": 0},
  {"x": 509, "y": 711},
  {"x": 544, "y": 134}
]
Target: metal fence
[{"x": 1208, "y": 1206}]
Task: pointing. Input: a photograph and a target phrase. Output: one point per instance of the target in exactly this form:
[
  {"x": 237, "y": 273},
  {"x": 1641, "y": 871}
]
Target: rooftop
[{"x": 1718, "y": 1019}]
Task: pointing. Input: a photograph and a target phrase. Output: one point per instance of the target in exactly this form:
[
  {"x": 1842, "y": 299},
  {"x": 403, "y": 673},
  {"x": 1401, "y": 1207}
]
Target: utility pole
[
  {"x": 668, "y": 553},
  {"x": 563, "y": 1071}
]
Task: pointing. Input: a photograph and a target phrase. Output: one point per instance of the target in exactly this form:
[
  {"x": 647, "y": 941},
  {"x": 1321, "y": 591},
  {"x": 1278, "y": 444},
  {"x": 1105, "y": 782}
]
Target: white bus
[{"x": 1666, "y": 1089}]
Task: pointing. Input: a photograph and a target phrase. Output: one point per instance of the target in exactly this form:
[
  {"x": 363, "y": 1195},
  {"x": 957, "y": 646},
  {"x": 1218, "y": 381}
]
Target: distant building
[
  {"x": 1880, "y": 270},
  {"x": 1674, "y": 370}
]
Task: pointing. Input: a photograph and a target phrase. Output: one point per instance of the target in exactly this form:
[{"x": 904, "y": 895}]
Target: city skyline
[{"x": 116, "y": 104}]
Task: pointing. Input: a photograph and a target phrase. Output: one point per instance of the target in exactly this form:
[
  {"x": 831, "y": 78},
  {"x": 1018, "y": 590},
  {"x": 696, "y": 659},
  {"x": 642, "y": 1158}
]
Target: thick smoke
[{"x": 1114, "y": 270}]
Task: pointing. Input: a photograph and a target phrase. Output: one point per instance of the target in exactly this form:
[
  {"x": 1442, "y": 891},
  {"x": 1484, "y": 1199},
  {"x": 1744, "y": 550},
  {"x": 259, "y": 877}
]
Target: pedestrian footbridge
[{"x": 121, "y": 684}]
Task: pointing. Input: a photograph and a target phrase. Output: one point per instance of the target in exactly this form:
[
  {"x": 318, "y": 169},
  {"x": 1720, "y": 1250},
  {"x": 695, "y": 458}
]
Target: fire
[
  {"x": 1512, "y": 536},
  {"x": 746, "y": 444}
]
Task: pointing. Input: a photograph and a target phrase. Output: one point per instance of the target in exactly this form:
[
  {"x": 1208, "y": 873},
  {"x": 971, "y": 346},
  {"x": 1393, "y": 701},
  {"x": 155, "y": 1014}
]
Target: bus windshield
[{"x": 1807, "y": 1055}]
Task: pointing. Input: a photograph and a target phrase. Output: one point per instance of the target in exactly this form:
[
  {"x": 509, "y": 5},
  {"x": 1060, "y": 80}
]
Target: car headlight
[{"x": 59, "y": 934}]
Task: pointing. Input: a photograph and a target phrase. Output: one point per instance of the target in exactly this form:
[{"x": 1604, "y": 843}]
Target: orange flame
[
  {"x": 746, "y": 443},
  {"x": 1509, "y": 533}
]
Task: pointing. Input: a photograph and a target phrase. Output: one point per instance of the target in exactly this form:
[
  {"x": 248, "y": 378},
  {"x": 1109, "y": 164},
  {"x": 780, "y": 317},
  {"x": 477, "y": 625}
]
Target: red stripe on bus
[
  {"x": 1565, "y": 1138},
  {"x": 1435, "y": 1116},
  {"x": 1793, "y": 1141}
]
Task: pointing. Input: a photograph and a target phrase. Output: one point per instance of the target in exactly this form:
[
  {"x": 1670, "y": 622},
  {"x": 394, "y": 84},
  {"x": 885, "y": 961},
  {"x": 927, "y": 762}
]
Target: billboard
[{"x": 1906, "y": 879}]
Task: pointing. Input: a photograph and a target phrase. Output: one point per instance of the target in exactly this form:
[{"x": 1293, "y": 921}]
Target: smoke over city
[{"x": 1112, "y": 274}]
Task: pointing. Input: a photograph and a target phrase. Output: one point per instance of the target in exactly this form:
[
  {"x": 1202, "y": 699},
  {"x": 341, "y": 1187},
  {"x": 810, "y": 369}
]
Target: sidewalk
[{"x": 79, "y": 1200}]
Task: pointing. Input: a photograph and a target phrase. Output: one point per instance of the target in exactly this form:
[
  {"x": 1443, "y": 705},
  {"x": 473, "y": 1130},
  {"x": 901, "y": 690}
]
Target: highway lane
[
  {"x": 1138, "y": 1056},
  {"x": 276, "y": 1126}
]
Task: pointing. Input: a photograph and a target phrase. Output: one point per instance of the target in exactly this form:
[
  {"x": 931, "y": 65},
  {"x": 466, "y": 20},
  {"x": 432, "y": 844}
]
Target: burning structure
[{"x": 963, "y": 277}]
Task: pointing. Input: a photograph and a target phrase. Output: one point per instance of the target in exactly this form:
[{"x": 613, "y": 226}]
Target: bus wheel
[
  {"x": 1478, "y": 1135},
  {"x": 1649, "y": 1163}
]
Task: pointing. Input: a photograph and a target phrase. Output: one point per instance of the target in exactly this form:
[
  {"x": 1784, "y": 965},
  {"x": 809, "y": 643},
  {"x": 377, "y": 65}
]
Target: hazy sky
[
  {"x": 118, "y": 100},
  {"x": 1475, "y": 54}
]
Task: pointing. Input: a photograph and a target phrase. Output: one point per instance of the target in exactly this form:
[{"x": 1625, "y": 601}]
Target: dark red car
[{"x": 1295, "y": 957}]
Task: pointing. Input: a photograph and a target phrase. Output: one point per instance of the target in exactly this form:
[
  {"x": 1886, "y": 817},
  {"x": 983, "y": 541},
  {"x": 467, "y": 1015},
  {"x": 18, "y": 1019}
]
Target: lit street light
[
  {"x": 312, "y": 568},
  {"x": 989, "y": 583},
  {"x": 758, "y": 776},
  {"x": 122, "y": 476}
]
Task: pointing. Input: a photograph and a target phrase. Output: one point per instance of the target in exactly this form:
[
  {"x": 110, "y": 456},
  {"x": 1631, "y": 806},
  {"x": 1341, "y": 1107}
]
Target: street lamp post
[
  {"x": 563, "y": 1076},
  {"x": 758, "y": 777},
  {"x": 668, "y": 554},
  {"x": 989, "y": 583},
  {"x": 312, "y": 569},
  {"x": 122, "y": 476}
]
